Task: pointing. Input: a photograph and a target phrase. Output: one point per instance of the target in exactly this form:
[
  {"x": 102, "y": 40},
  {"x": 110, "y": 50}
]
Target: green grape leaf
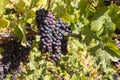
[
  {"x": 29, "y": 18},
  {"x": 102, "y": 58},
  {"x": 4, "y": 23},
  {"x": 108, "y": 31},
  {"x": 33, "y": 3},
  {"x": 96, "y": 25},
  {"x": 20, "y": 33},
  {"x": 74, "y": 77},
  {"x": 59, "y": 11},
  {"x": 113, "y": 47},
  {"x": 74, "y": 3},
  {"x": 3, "y": 3},
  {"x": 32, "y": 65},
  {"x": 114, "y": 13},
  {"x": 14, "y": 1},
  {"x": 98, "y": 19},
  {"x": 41, "y": 3},
  {"x": 21, "y": 5},
  {"x": 83, "y": 7},
  {"x": 47, "y": 77},
  {"x": 67, "y": 1},
  {"x": 67, "y": 18},
  {"x": 27, "y": 2}
]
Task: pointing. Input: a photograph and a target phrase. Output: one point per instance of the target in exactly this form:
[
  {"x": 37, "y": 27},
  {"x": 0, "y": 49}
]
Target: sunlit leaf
[
  {"x": 103, "y": 58},
  {"x": 96, "y": 25},
  {"x": 33, "y": 4},
  {"x": 99, "y": 19},
  {"x": 27, "y": 2},
  {"x": 112, "y": 45},
  {"x": 41, "y": 3},
  {"x": 14, "y": 1},
  {"x": 21, "y": 5},
  {"x": 3, "y": 3},
  {"x": 67, "y": 18},
  {"x": 114, "y": 13},
  {"x": 4, "y": 23}
]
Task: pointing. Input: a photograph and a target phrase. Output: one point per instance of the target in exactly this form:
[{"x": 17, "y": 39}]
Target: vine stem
[{"x": 70, "y": 34}]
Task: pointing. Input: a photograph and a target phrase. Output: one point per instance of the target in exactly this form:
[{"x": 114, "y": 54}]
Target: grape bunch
[
  {"x": 52, "y": 34},
  {"x": 13, "y": 53}
]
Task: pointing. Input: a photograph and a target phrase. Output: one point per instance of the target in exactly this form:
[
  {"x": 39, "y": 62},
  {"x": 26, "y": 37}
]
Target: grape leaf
[
  {"x": 21, "y": 5},
  {"x": 3, "y": 3},
  {"x": 98, "y": 19},
  {"x": 102, "y": 58},
  {"x": 113, "y": 47},
  {"x": 96, "y": 25},
  {"x": 4, "y": 23},
  {"x": 83, "y": 7},
  {"x": 20, "y": 33},
  {"x": 59, "y": 11},
  {"x": 114, "y": 13}
]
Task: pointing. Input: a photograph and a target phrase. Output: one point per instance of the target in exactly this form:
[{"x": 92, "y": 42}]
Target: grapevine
[{"x": 59, "y": 40}]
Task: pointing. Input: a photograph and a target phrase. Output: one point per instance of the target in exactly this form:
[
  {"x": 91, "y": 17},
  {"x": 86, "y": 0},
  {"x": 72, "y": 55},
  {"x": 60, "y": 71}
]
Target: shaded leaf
[
  {"x": 20, "y": 33},
  {"x": 59, "y": 11}
]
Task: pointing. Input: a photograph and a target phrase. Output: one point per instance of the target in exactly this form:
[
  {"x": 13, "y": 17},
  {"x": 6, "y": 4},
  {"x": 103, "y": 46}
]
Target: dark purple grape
[
  {"x": 14, "y": 53},
  {"x": 117, "y": 2},
  {"x": 115, "y": 76},
  {"x": 52, "y": 38},
  {"x": 58, "y": 57},
  {"x": 119, "y": 60}
]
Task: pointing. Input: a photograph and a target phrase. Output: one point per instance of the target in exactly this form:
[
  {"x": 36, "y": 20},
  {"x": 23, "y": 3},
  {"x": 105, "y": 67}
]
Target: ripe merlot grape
[
  {"x": 108, "y": 2},
  {"x": 52, "y": 39},
  {"x": 13, "y": 53}
]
